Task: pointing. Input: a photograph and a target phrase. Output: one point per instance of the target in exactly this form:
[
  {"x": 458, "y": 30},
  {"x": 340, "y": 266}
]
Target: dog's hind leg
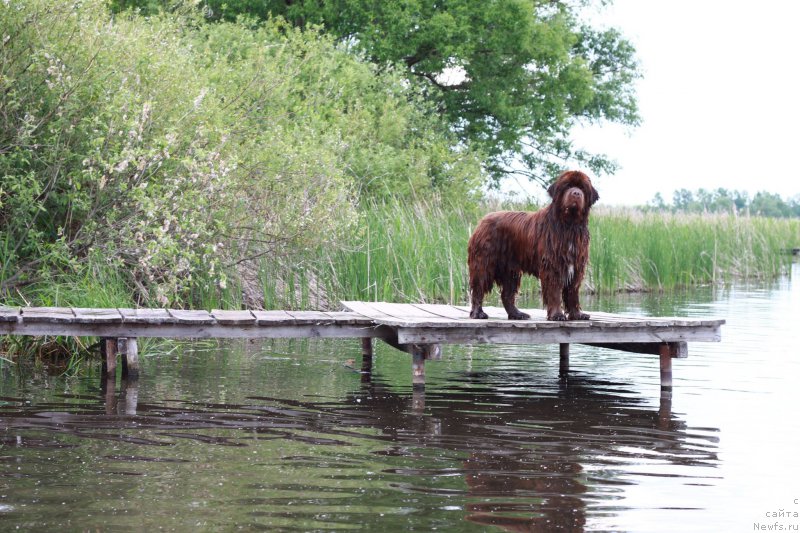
[
  {"x": 508, "y": 294},
  {"x": 477, "y": 291}
]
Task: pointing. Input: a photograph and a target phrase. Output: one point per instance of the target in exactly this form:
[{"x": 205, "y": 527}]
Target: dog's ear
[
  {"x": 552, "y": 190},
  {"x": 594, "y": 196}
]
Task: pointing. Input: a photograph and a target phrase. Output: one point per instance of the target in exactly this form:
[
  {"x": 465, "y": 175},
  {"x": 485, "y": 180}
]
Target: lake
[{"x": 290, "y": 436}]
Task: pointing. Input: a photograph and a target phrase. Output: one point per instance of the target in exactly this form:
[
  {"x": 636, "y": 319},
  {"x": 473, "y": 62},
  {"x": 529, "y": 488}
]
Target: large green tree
[{"x": 513, "y": 77}]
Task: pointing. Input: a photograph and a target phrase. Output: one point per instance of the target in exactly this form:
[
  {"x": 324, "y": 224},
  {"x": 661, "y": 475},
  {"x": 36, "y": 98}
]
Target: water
[{"x": 289, "y": 436}]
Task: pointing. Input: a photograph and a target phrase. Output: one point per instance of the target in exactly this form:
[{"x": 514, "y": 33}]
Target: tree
[
  {"x": 769, "y": 205},
  {"x": 657, "y": 203},
  {"x": 512, "y": 77},
  {"x": 683, "y": 200}
]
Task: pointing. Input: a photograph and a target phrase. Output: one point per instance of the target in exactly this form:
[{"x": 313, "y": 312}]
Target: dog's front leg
[
  {"x": 572, "y": 303},
  {"x": 551, "y": 295}
]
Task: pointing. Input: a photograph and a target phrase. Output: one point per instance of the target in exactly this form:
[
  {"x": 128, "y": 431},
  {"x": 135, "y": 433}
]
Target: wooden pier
[{"x": 418, "y": 329}]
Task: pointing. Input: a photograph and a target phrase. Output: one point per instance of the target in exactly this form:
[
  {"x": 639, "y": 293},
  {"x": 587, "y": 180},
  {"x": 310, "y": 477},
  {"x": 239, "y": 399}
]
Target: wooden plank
[
  {"x": 310, "y": 317},
  {"x": 145, "y": 316},
  {"x": 48, "y": 315},
  {"x": 538, "y": 319},
  {"x": 273, "y": 318},
  {"x": 678, "y": 350},
  {"x": 198, "y": 331},
  {"x": 191, "y": 316},
  {"x": 96, "y": 316},
  {"x": 498, "y": 317},
  {"x": 658, "y": 321},
  {"x": 363, "y": 309},
  {"x": 9, "y": 314},
  {"x": 391, "y": 315},
  {"x": 555, "y": 335},
  {"x": 407, "y": 313},
  {"x": 444, "y": 311},
  {"x": 349, "y": 318},
  {"x": 233, "y": 318}
]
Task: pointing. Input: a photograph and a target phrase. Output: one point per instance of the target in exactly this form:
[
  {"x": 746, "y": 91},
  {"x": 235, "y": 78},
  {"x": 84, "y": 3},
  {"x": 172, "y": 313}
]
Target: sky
[{"x": 719, "y": 99}]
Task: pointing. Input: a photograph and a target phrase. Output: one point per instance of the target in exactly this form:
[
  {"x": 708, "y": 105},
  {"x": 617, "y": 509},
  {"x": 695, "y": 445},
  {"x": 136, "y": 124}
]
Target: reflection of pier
[
  {"x": 525, "y": 454},
  {"x": 419, "y": 329},
  {"x": 522, "y": 460}
]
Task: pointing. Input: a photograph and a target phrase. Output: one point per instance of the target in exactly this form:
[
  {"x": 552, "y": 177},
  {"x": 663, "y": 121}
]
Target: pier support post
[
  {"x": 128, "y": 348},
  {"x": 417, "y": 367},
  {"x": 366, "y": 358},
  {"x": 665, "y": 358},
  {"x": 419, "y": 354},
  {"x": 108, "y": 349},
  {"x": 563, "y": 363}
]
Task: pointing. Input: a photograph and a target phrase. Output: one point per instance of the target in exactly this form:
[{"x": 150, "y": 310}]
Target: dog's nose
[{"x": 576, "y": 192}]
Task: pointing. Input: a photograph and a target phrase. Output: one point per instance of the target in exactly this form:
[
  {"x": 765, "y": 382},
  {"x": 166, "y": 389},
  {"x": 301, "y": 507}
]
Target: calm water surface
[{"x": 289, "y": 436}]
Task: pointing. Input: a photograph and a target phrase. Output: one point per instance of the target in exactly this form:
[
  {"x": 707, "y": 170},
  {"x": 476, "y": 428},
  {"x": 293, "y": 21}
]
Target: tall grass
[
  {"x": 632, "y": 250},
  {"x": 403, "y": 253},
  {"x": 418, "y": 253}
]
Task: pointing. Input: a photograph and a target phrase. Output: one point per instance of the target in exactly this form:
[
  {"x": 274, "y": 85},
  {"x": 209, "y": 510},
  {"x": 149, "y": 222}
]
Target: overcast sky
[{"x": 718, "y": 100}]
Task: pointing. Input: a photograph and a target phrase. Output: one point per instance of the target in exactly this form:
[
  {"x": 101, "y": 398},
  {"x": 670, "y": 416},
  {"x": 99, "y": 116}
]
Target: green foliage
[
  {"x": 512, "y": 78},
  {"x": 175, "y": 151}
]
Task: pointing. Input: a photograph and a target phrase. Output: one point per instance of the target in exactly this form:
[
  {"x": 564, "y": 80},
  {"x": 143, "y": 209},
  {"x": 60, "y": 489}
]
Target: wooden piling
[
  {"x": 366, "y": 357},
  {"x": 110, "y": 357},
  {"x": 128, "y": 348},
  {"x": 417, "y": 367},
  {"x": 665, "y": 357},
  {"x": 563, "y": 363}
]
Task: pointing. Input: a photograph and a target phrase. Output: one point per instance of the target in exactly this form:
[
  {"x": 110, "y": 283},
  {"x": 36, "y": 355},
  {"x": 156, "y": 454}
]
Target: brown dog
[{"x": 552, "y": 244}]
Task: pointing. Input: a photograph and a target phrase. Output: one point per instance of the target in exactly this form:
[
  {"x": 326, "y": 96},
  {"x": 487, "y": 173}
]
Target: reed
[
  {"x": 402, "y": 253},
  {"x": 418, "y": 253}
]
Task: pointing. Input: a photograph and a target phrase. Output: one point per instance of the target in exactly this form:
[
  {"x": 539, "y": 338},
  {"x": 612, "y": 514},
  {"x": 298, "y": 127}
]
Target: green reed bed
[
  {"x": 656, "y": 251},
  {"x": 418, "y": 253},
  {"x": 402, "y": 253}
]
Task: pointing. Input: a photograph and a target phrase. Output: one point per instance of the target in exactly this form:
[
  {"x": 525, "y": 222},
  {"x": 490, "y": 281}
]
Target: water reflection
[{"x": 528, "y": 460}]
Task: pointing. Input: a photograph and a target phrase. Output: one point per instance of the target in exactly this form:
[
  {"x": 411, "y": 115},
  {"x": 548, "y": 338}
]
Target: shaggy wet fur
[{"x": 551, "y": 244}]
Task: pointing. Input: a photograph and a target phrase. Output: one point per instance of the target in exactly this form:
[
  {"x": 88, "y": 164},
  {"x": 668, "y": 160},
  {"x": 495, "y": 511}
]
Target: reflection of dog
[{"x": 552, "y": 244}]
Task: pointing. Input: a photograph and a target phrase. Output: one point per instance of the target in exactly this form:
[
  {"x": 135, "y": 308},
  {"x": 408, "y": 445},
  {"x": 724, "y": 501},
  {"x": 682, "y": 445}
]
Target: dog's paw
[
  {"x": 578, "y": 316},
  {"x": 557, "y": 317},
  {"x": 479, "y": 314},
  {"x": 519, "y": 315}
]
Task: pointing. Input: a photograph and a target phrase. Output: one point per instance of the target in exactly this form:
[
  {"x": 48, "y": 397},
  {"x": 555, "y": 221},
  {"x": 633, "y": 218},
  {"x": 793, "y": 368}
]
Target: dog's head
[{"x": 573, "y": 195}]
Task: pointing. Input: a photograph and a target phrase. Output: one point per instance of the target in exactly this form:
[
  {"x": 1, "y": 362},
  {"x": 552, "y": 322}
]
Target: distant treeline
[{"x": 724, "y": 201}]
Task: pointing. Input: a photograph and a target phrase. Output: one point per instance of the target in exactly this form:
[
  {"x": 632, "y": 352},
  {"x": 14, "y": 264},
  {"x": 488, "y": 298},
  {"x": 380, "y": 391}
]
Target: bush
[{"x": 174, "y": 150}]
